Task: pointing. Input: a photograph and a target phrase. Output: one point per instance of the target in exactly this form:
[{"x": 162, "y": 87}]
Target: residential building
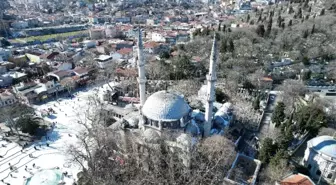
[
  {"x": 295, "y": 179},
  {"x": 7, "y": 98},
  {"x": 103, "y": 61},
  {"x": 5, "y": 54},
  {"x": 265, "y": 83}
]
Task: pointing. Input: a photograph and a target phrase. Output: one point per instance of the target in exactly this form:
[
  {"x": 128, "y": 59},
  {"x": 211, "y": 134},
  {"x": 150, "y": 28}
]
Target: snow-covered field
[{"x": 64, "y": 133}]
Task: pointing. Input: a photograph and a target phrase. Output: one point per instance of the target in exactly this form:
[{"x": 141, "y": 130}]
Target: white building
[
  {"x": 320, "y": 158},
  {"x": 5, "y": 54},
  {"x": 20, "y": 24},
  {"x": 158, "y": 37},
  {"x": 6, "y": 99},
  {"x": 103, "y": 60}
]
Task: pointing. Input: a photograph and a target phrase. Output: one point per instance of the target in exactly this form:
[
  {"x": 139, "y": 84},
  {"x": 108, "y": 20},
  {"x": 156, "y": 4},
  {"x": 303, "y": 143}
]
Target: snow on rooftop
[{"x": 104, "y": 57}]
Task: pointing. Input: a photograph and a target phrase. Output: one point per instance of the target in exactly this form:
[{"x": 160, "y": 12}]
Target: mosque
[
  {"x": 320, "y": 158},
  {"x": 168, "y": 112}
]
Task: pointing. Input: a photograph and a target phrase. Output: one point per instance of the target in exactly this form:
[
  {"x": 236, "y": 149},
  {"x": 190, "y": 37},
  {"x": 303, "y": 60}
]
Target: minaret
[
  {"x": 141, "y": 70},
  {"x": 211, "y": 78}
]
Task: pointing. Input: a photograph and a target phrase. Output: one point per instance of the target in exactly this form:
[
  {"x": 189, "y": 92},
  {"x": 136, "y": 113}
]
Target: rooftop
[{"x": 297, "y": 179}]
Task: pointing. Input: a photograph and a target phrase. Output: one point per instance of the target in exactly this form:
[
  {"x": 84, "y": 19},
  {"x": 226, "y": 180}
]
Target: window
[
  {"x": 309, "y": 166},
  {"x": 329, "y": 176},
  {"x": 318, "y": 172},
  {"x": 333, "y": 168}
]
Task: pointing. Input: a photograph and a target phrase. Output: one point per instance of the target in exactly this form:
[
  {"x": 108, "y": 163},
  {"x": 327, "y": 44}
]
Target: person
[
  {"x": 34, "y": 165},
  {"x": 35, "y": 148},
  {"x": 47, "y": 144}
]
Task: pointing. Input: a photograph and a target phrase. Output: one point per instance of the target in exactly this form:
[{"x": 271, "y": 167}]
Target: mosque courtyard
[{"x": 45, "y": 161}]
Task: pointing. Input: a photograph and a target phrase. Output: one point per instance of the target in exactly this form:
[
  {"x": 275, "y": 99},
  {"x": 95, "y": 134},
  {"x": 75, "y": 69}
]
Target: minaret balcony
[
  {"x": 142, "y": 81},
  {"x": 211, "y": 78}
]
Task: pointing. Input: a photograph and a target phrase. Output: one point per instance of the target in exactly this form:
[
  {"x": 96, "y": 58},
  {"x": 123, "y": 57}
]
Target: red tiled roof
[
  {"x": 62, "y": 73},
  {"x": 80, "y": 70},
  {"x": 297, "y": 180},
  {"x": 126, "y": 72},
  {"x": 125, "y": 51},
  {"x": 267, "y": 79},
  {"x": 151, "y": 44}
]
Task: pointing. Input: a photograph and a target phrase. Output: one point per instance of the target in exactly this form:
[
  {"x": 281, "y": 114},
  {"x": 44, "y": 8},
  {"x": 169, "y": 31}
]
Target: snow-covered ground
[{"x": 64, "y": 133}]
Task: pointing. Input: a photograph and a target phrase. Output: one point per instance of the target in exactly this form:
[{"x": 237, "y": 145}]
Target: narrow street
[{"x": 266, "y": 127}]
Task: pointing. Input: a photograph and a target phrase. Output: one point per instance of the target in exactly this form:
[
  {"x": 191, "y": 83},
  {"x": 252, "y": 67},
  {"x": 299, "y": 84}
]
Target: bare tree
[
  {"x": 292, "y": 90},
  {"x": 187, "y": 87},
  {"x": 68, "y": 83}
]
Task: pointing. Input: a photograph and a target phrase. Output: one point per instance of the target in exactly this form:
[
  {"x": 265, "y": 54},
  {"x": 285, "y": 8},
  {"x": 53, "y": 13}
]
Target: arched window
[
  {"x": 333, "y": 168},
  {"x": 329, "y": 176},
  {"x": 156, "y": 124},
  {"x": 318, "y": 172},
  {"x": 309, "y": 166}
]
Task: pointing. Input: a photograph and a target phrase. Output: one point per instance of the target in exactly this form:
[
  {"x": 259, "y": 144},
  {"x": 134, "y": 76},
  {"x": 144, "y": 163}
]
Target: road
[{"x": 266, "y": 127}]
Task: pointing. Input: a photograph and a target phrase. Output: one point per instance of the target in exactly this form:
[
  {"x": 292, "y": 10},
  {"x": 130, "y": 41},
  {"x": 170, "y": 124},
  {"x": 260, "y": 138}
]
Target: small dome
[
  {"x": 184, "y": 139},
  {"x": 193, "y": 129},
  {"x": 165, "y": 106},
  {"x": 324, "y": 144},
  {"x": 151, "y": 136},
  {"x": 225, "y": 109}
]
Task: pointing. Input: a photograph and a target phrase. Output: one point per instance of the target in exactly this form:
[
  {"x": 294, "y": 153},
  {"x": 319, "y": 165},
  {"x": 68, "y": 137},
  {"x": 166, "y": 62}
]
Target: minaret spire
[
  {"x": 141, "y": 70},
  {"x": 211, "y": 78}
]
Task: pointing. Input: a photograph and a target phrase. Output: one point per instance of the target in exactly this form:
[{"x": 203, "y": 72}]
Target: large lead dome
[{"x": 165, "y": 106}]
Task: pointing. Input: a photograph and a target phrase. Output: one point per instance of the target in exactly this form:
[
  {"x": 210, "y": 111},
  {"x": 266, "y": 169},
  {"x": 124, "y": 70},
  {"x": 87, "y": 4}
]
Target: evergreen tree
[
  {"x": 306, "y": 75},
  {"x": 290, "y": 23},
  {"x": 307, "y": 17},
  {"x": 299, "y": 14},
  {"x": 322, "y": 12},
  {"x": 305, "y": 34},
  {"x": 219, "y": 27},
  {"x": 259, "y": 18},
  {"x": 223, "y": 47},
  {"x": 279, "y": 114},
  {"x": 286, "y": 138},
  {"x": 283, "y": 25},
  {"x": 261, "y": 30},
  {"x": 267, "y": 150},
  {"x": 309, "y": 9},
  {"x": 313, "y": 29},
  {"x": 279, "y": 21},
  {"x": 256, "y": 103},
  {"x": 224, "y": 28},
  {"x": 248, "y": 18},
  {"x": 231, "y": 46},
  {"x": 269, "y": 27},
  {"x": 290, "y": 10},
  {"x": 306, "y": 5}
]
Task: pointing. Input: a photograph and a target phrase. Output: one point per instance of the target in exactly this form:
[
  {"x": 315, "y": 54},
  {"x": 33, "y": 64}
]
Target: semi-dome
[
  {"x": 165, "y": 106},
  {"x": 151, "y": 136},
  {"x": 324, "y": 144}
]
